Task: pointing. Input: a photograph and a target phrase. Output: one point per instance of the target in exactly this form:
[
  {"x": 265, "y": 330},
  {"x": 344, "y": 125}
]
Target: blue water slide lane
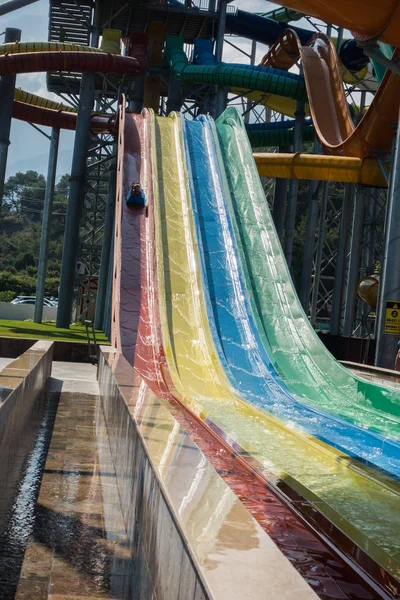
[{"x": 239, "y": 346}]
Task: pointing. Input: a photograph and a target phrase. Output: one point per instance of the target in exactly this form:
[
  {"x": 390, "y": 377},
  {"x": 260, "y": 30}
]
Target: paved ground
[{"x": 77, "y": 549}]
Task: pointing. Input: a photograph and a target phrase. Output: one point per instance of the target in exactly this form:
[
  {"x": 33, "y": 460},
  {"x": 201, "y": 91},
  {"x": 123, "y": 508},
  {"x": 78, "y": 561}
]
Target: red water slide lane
[
  {"x": 329, "y": 110},
  {"x": 48, "y": 117},
  {"x": 34, "y": 62},
  {"x": 135, "y": 281}
]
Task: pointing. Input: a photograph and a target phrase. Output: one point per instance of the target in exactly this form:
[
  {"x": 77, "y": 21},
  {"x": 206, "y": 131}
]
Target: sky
[{"x": 29, "y": 148}]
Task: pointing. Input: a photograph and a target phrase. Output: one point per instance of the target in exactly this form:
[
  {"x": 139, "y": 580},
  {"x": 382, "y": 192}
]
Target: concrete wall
[
  {"x": 162, "y": 566},
  {"x": 22, "y": 382},
  {"x": 22, "y": 312}
]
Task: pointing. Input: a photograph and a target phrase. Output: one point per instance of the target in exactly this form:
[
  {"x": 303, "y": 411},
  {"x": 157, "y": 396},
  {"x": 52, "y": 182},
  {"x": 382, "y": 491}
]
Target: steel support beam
[
  {"x": 7, "y": 89},
  {"x": 108, "y": 303},
  {"x": 293, "y": 186},
  {"x": 220, "y": 98},
  {"x": 46, "y": 222},
  {"x": 354, "y": 263},
  {"x": 318, "y": 255},
  {"x": 341, "y": 258},
  {"x": 386, "y": 343},
  {"x": 106, "y": 249},
  {"x": 175, "y": 99},
  {"x": 280, "y": 199},
  {"x": 309, "y": 244},
  {"x": 136, "y": 103},
  {"x": 75, "y": 200}
]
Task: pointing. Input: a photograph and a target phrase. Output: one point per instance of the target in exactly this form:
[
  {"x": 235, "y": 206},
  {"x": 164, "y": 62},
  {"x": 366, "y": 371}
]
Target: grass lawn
[{"x": 47, "y": 331}]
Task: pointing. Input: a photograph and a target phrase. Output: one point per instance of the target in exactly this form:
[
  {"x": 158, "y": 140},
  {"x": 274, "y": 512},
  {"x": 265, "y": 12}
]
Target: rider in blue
[{"x": 136, "y": 196}]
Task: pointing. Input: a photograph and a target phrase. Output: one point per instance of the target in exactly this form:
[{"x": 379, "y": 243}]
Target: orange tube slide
[
  {"x": 321, "y": 168},
  {"x": 365, "y": 18},
  {"x": 331, "y": 117}
]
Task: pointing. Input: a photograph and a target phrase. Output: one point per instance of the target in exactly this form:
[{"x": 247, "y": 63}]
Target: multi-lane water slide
[{"x": 218, "y": 328}]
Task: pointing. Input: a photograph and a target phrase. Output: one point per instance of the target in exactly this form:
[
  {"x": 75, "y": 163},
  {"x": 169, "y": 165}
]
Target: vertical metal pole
[
  {"x": 7, "y": 89},
  {"x": 280, "y": 198},
  {"x": 175, "y": 100},
  {"x": 252, "y": 62},
  {"x": 106, "y": 325},
  {"x": 386, "y": 343},
  {"x": 46, "y": 221},
  {"x": 354, "y": 264},
  {"x": 341, "y": 258},
  {"x": 278, "y": 209},
  {"x": 106, "y": 248},
  {"x": 318, "y": 256},
  {"x": 309, "y": 243},
  {"x": 293, "y": 186},
  {"x": 136, "y": 104},
  {"x": 76, "y": 193},
  {"x": 219, "y": 46}
]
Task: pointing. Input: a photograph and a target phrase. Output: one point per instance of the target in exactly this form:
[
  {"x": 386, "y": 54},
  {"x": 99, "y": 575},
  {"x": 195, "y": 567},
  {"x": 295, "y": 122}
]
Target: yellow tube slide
[
  {"x": 22, "y": 47},
  {"x": 326, "y": 168},
  {"x": 280, "y": 104},
  {"x": 29, "y": 98}
]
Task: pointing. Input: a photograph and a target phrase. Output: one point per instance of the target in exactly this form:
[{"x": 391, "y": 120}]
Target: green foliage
[
  {"x": 20, "y": 232},
  {"x": 7, "y": 296}
]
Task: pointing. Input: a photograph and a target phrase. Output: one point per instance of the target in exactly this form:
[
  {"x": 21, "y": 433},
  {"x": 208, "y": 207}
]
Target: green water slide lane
[{"x": 298, "y": 355}]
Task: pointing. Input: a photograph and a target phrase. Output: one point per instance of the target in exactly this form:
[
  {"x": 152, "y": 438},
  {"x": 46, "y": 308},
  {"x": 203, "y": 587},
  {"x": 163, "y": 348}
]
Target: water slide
[
  {"x": 367, "y": 19},
  {"x": 331, "y": 116},
  {"x": 195, "y": 334},
  {"x": 32, "y": 57}
]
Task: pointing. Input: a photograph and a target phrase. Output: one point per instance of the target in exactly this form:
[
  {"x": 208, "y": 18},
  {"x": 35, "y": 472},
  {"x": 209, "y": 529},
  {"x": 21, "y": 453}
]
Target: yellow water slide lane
[{"x": 361, "y": 506}]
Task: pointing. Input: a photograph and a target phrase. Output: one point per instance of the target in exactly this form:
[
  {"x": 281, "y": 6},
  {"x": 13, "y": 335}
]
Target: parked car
[{"x": 32, "y": 300}]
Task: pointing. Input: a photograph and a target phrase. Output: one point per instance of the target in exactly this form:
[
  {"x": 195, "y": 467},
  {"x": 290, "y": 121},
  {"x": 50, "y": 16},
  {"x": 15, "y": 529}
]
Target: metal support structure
[
  {"x": 354, "y": 263},
  {"x": 136, "y": 103},
  {"x": 175, "y": 99},
  {"x": 7, "y": 89},
  {"x": 75, "y": 200},
  {"x": 252, "y": 62},
  {"x": 293, "y": 186},
  {"x": 318, "y": 256},
  {"x": 386, "y": 343},
  {"x": 106, "y": 249},
  {"x": 108, "y": 303},
  {"x": 341, "y": 259},
  {"x": 46, "y": 221},
  {"x": 220, "y": 99},
  {"x": 311, "y": 227},
  {"x": 386, "y": 62},
  {"x": 279, "y": 207}
]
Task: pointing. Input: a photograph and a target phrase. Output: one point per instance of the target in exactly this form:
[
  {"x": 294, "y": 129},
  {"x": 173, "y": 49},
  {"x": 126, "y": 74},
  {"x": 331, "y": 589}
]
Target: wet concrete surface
[
  {"x": 4, "y": 362},
  {"x": 71, "y": 543},
  {"x": 18, "y": 497}
]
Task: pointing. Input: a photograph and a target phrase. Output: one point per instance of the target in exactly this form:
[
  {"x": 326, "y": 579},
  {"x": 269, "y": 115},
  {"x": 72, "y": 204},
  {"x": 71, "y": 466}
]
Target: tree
[
  {"x": 24, "y": 194},
  {"x": 20, "y": 232}
]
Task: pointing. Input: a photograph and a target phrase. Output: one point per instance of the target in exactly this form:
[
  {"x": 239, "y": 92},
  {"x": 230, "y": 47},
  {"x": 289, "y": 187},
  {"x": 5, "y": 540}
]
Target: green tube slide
[
  {"x": 224, "y": 75},
  {"x": 298, "y": 355},
  {"x": 280, "y": 137}
]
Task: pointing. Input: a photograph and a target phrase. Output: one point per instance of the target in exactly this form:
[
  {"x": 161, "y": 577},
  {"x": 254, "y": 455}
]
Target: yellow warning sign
[{"x": 392, "y": 317}]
